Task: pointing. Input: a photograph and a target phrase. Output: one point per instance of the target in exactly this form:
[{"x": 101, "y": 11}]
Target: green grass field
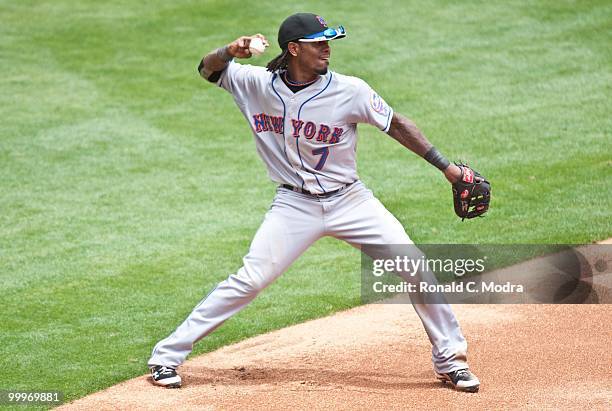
[{"x": 130, "y": 186}]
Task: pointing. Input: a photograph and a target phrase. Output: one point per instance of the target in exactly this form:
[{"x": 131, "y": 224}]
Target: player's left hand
[
  {"x": 239, "y": 48},
  {"x": 471, "y": 193}
]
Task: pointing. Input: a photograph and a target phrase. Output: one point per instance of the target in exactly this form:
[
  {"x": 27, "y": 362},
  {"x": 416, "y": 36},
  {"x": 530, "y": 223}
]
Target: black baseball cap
[{"x": 307, "y": 27}]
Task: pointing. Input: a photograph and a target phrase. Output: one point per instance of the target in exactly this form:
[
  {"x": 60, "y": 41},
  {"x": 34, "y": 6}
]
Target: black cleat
[
  {"x": 461, "y": 380},
  {"x": 165, "y": 376}
]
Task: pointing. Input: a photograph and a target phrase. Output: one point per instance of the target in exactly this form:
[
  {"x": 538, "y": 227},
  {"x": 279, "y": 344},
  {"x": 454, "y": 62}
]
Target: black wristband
[{"x": 434, "y": 157}]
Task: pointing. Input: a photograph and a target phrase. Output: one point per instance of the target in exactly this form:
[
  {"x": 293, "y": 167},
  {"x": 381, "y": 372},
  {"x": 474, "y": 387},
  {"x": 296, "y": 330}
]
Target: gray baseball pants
[{"x": 292, "y": 224}]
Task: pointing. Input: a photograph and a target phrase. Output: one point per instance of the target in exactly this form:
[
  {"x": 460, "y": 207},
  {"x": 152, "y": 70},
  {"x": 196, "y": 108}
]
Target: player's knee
[
  {"x": 243, "y": 285},
  {"x": 255, "y": 277},
  {"x": 255, "y": 285}
]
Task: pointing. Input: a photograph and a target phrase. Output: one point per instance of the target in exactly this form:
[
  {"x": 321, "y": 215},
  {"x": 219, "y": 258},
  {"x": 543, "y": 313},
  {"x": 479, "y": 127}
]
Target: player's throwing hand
[{"x": 239, "y": 48}]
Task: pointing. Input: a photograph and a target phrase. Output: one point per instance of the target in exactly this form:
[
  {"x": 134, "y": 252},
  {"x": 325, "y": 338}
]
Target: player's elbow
[{"x": 208, "y": 74}]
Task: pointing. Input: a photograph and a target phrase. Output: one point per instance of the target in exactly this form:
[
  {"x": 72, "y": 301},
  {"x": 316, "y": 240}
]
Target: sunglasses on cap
[{"x": 329, "y": 34}]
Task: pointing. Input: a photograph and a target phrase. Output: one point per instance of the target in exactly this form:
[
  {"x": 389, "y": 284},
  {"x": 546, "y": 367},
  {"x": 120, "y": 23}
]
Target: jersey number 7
[{"x": 324, "y": 152}]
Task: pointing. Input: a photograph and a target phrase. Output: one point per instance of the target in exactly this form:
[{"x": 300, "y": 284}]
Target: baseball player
[{"x": 304, "y": 120}]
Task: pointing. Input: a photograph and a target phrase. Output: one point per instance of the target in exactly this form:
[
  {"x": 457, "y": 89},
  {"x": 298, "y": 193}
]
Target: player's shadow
[{"x": 308, "y": 379}]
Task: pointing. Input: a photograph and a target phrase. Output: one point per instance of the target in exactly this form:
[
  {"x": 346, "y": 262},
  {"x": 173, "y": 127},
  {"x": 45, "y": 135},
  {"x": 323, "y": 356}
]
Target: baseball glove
[{"x": 471, "y": 194}]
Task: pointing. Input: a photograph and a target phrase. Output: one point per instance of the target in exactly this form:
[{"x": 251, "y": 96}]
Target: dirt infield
[{"x": 377, "y": 357}]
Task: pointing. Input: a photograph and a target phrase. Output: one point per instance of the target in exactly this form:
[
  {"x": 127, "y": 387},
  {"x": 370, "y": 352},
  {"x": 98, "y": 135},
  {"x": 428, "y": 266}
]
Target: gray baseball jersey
[{"x": 306, "y": 139}]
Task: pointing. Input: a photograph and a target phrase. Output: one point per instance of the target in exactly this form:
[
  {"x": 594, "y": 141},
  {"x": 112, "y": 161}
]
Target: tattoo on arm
[
  {"x": 407, "y": 134},
  {"x": 213, "y": 62}
]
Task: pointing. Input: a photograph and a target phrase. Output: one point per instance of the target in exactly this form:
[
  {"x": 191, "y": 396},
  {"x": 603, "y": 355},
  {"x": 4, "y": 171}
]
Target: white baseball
[{"x": 257, "y": 46}]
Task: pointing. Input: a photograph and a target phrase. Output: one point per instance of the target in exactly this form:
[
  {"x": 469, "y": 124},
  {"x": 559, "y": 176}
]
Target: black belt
[{"x": 324, "y": 195}]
